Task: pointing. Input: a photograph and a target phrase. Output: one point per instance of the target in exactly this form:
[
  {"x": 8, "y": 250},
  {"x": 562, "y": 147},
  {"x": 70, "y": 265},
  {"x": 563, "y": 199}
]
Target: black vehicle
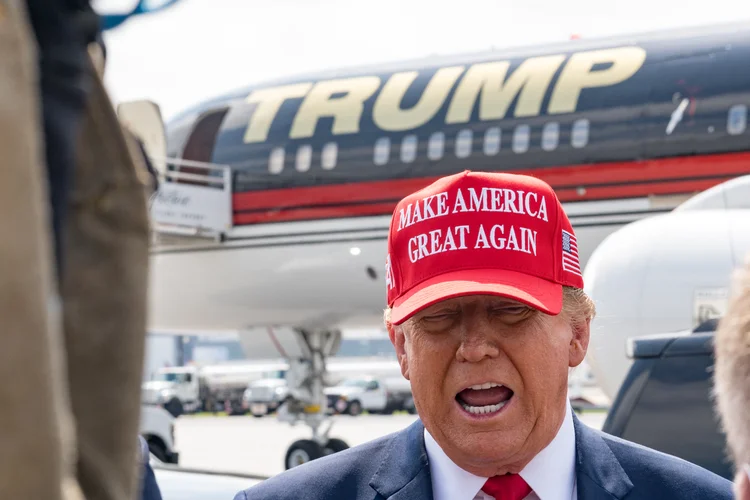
[{"x": 666, "y": 403}]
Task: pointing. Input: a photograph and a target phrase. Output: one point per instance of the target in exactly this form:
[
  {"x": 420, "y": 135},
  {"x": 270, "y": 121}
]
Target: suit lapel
[
  {"x": 598, "y": 472},
  {"x": 404, "y": 472}
]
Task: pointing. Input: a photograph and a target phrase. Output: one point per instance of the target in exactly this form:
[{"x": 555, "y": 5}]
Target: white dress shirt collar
[{"x": 551, "y": 473}]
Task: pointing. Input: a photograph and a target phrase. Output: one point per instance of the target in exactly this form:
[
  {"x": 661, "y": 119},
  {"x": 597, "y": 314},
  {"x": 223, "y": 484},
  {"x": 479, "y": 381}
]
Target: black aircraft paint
[{"x": 627, "y": 121}]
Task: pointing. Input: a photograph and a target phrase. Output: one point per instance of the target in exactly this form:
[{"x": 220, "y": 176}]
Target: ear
[
  {"x": 398, "y": 339},
  {"x": 579, "y": 342}
]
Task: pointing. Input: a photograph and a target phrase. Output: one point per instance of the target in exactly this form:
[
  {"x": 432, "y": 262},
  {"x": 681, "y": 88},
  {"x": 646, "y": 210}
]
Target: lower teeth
[{"x": 480, "y": 410}]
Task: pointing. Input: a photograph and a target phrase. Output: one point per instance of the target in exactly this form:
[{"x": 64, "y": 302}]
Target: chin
[{"x": 487, "y": 454}]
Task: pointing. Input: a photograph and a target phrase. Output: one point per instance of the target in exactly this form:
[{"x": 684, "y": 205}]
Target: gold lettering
[
  {"x": 268, "y": 103},
  {"x": 577, "y": 74},
  {"x": 388, "y": 114},
  {"x": 346, "y": 110},
  {"x": 530, "y": 80}
]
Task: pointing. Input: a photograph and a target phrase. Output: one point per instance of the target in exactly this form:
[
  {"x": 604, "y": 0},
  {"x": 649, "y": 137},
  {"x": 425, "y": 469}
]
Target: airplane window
[
  {"x": 304, "y": 158},
  {"x": 409, "y": 148},
  {"x": 436, "y": 146},
  {"x": 579, "y": 137},
  {"x": 737, "y": 119},
  {"x": 550, "y": 136},
  {"x": 492, "y": 141},
  {"x": 328, "y": 156},
  {"x": 382, "y": 151},
  {"x": 463, "y": 143},
  {"x": 521, "y": 137},
  {"x": 276, "y": 161}
]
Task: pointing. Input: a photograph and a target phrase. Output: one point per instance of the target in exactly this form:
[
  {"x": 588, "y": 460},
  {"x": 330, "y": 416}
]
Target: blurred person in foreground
[
  {"x": 487, "y": 314},
  {"x": 732, "y": 379},
  {"x": 73, "y": 264}
]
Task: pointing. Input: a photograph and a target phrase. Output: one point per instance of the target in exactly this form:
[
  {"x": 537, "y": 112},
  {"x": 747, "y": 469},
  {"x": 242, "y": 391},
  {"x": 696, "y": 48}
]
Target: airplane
[
  {"x": 276, "y": 199},
  {"x": 665, "y": 275}
]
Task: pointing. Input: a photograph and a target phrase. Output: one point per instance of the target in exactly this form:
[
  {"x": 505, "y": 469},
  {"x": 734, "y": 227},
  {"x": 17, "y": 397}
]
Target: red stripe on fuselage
[{"x": 600, "y": 181}]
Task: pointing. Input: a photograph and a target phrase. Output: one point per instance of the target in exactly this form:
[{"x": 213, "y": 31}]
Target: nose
[{"x": 478, "y": 342}]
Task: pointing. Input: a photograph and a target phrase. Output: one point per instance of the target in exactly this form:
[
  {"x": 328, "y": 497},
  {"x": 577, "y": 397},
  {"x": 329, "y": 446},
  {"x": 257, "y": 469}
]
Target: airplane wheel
[
  {"x": 334, "y": 446},
  {"x": 301, "y": 452}
]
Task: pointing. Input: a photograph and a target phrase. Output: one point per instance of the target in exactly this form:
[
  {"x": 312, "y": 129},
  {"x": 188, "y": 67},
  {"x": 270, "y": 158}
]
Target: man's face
[{"x": 515, "y": 358}]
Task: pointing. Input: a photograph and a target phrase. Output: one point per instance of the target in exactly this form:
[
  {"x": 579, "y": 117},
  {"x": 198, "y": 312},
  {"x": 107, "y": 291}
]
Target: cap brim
[{"x": 538, "y": 293}]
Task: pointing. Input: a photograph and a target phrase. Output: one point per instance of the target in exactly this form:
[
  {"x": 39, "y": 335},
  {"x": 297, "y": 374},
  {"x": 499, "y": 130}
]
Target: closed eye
[
  {"x": 439, "y": 319},
  {"x": 512, "y": 310},
  {"x": 439, "y": 316},
  {"x": 512, "y": 313}
]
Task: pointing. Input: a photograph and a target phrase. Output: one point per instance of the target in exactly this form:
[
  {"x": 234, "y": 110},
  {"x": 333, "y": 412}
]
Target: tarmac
[{"x": 249, "y": 445}]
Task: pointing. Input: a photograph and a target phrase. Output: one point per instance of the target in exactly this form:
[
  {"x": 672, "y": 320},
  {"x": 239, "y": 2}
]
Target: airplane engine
[{"x": 665, "y": 274}]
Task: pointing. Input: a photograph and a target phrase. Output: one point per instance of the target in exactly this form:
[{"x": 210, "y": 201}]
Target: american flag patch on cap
[{"x": 570, "y": 261}]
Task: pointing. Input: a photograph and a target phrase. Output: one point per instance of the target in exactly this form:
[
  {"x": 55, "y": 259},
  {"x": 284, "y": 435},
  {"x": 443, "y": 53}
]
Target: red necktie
[{"x": 507, "y": 487}]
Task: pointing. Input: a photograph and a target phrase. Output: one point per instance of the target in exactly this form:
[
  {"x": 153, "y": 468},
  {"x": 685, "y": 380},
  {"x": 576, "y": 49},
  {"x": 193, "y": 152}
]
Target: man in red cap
[{"x": 487, "y": 313}]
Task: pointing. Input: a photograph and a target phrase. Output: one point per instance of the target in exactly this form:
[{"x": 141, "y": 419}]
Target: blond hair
[
  {"x": 732, "y": 369},
  {"x": 577, "y": 305}
]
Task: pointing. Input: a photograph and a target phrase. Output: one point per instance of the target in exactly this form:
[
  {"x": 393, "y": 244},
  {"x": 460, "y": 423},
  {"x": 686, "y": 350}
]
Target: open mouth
[{"x": 484, "y": 399}]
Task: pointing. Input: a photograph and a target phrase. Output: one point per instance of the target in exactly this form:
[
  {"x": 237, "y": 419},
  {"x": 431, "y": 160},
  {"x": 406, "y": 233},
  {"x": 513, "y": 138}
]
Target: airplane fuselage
[{"x": 621, "y": 128}]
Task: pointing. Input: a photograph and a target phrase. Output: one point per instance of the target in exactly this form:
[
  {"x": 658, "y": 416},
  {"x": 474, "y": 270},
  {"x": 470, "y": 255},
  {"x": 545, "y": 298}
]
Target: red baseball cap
[{"x": 480, "y": 233}]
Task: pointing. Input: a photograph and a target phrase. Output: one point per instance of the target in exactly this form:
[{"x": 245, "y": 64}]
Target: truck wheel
[
  {"x": 301, "y": 452},
  {"x": 235, "y": 408},
  {"x": 157, "y": 448},
  {"x": 355, "y": 408},
  {"x": 174, "y": 407},
  {"x": 334, "y": 446}
]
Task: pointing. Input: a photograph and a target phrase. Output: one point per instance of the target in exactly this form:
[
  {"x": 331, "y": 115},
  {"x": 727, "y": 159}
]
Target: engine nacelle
[{"x": 658, "y": 275}]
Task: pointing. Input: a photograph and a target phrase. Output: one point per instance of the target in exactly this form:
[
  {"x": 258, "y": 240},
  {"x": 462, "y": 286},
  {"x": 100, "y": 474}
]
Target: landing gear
[
  {"x": 334, "y": 446},
  {"x": 306, "y": 401},
  {"x": 301, "y": 452},
  {"x": 306, "y": 450}
]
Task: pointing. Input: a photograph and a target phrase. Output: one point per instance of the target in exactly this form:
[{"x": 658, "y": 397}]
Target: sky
[{"x": 198, "y": 49}]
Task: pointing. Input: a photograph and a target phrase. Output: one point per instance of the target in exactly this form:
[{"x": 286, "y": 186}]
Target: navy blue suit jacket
[
  {"x": 149, "y": 488},
  {"x": 395, "y": 467}
]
